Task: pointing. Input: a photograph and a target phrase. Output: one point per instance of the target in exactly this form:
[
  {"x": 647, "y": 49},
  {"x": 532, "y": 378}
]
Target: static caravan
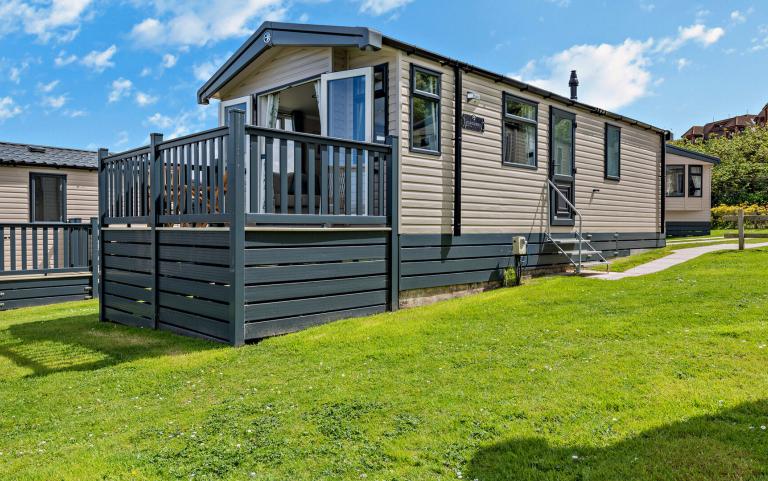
[
  {"x": 352, "y": 174},
  {"x": 688, "y": 192},
  {"x": 49, "y": 196}
]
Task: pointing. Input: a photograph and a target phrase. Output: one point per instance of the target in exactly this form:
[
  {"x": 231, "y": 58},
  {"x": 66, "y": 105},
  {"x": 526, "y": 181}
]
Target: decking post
[
  {"x": 235, "y": 197},
  {"x": 95, "y": 257},
  {"x": 393, "y": 207},
  {"x": 156, "y": 196},
  {"x": 103, "y": 153},
  {"x": 741, "y": 229}
]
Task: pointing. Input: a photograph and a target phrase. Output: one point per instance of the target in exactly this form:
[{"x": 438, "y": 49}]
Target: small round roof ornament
[{"x": 267, "y": 37}]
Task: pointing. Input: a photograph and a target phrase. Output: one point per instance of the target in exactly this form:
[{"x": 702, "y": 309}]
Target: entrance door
[{"x": 562, "y": 169}]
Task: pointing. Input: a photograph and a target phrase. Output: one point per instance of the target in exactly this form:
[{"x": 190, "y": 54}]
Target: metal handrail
[
  {"x": 575, "y": 210},
  {"x": 579, "y": 233}
]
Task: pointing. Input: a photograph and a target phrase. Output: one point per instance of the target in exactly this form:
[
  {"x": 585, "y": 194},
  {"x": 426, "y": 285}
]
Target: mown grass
[
  {"x": 661, "y": 377},
  {"x": 623, "y": 264}
]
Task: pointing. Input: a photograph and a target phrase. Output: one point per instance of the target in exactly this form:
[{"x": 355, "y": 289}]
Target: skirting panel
[
  {"x": 37, "y": 290},
  {"x": 127, "y": 277},
  {"x": 444, "y": 260},
  {"x": 683, "y": 229},
  {"x": 294, "y": 280}
]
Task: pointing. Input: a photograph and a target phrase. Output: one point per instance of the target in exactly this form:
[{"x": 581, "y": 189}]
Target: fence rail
[{"x": 45, "y": 248}]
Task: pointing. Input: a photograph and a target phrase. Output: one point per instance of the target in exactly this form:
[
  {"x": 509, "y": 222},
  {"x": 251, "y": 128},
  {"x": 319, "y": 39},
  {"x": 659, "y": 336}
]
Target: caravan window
[
  {"x": 425, "y": 110},
  {"x": 675, "y": 180},
  {"x": 47, "y": 197},
  {"x": 612, "y": 152},
  {"x": 519, "y": 137},
  {"x": 695, "y": 174}
]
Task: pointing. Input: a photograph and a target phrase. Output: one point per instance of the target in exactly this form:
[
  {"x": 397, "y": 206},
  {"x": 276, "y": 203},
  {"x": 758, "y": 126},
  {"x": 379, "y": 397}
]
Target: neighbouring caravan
[
  {"x": 688, "y": 192},
  {"x": 49, "y": 197},
  {"x": 353, "y": 173}
]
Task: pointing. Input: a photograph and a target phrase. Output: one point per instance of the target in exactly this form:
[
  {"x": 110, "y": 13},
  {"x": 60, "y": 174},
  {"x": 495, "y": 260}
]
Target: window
[
  {"x": 612, "y": 152},
  {"x": 47, "y": 198},
  {"x": 695, "y": 174},
  {"x": 227, "y": 106},
  {"x": 380, "y": 107},
  {"x": 519, "y": 137},
  {"x": 425, "y": 110},
  {"x": 562, "y": 129},
  {"x": 675, "y": 180}
]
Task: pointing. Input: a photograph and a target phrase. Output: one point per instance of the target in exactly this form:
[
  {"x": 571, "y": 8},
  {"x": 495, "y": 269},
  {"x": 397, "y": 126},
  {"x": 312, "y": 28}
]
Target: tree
[{"x": 742, "y": 175}]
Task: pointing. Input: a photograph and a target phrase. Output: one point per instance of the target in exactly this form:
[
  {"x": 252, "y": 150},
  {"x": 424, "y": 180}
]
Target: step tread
[{"x": 584, "y": 252}]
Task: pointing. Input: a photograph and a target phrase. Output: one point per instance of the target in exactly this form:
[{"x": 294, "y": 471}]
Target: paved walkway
[{"x": 677, "y": 257}]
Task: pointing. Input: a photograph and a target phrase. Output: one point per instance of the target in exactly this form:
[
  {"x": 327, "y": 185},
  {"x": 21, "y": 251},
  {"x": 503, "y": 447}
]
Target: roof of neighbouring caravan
[
  {"x": 25, "y": 154},
  {"x": 673, "y": 149},
  {"x": 273, "y": 34}
]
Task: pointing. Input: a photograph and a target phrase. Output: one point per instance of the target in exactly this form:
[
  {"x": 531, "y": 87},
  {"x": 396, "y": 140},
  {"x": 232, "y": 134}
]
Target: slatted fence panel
[
  {"x": 294, "y": 280},
  {"x": 36, "y": 291},
  {"x": 126, "y": 277},
  {"x": 194, "y": 282}
]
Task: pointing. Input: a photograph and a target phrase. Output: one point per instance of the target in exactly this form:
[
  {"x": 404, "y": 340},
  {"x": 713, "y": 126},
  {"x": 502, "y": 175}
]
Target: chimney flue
[{"x": 574, "y": 84}]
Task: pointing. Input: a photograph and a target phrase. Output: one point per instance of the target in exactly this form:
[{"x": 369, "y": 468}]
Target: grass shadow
[
  {"x": 74, "y": 340},
  {"x": 729, "y": 445}
]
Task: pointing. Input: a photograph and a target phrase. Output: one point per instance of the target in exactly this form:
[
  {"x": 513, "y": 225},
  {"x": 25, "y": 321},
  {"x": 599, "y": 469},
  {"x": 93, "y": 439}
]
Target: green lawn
[{"x": 661, "y": 377}]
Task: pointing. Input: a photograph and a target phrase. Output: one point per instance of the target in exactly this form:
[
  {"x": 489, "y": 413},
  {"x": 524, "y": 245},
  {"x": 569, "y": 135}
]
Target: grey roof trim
[
  {"x": 293, "y": 34},
  {"x": 46, "y": 156},
  {"x": 273, "y": 34},
  {"x": 673, "y": 149}
]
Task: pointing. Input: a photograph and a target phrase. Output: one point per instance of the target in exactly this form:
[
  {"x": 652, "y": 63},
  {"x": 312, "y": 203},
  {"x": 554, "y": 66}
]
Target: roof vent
[
  {"x": 37, "y": 150},
  {"x": 574, "y": 84}
]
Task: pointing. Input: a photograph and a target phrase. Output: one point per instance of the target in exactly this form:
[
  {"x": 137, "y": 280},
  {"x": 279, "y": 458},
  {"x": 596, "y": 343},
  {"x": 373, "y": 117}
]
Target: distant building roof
[
  {"x": 25, "y": 154},
  {"x": 673, "y": 149}
]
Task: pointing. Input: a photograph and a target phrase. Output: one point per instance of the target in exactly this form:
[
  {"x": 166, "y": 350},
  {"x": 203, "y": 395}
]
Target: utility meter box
[{"x": 519, "y": 246}]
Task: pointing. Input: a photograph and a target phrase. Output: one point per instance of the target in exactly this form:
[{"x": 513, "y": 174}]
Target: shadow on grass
[
  {"x": 730, "y": 445},
  {"x": 82, "y": 343}
]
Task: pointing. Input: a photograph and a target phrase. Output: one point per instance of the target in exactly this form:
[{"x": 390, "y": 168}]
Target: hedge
[{"x": 749, "y": 209}]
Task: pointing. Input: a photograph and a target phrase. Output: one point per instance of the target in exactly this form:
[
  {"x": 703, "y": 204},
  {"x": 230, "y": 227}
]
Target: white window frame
[
  {"x": 248, "y": 121},
  {"x": 367, "y": 72}
]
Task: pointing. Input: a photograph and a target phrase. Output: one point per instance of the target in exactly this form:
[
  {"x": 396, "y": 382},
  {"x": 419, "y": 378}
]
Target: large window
[
  {"x": 695, "y": 174},
  {"x": 675, "y": 181},
  {"x": 612, "y": 152},
  {"x": 519, "y": 137},
  {"x": 47, "y": 198},
  {"x": 562, "y": 132},
  {"x": 425, "y": 110}
]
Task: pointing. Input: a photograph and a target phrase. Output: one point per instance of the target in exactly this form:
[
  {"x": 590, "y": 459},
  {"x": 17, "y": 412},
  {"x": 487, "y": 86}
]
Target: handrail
[
  {"x": 575, "y": 210},
  {"x": 191, "y": 138},
  {"x": 127, "y": 153},
  {"x": 315, "y": 139}
]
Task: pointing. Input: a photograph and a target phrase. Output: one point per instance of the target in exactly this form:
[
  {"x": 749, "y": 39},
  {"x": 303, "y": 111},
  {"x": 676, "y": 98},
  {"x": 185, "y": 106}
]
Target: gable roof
[
  {"x": 25, "y": 154},
  {"x": 273, "y": 34},
  {"x": 673, "y": 149}
]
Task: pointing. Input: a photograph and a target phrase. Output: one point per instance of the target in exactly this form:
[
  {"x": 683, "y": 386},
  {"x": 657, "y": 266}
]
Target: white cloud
[
  {"x": 647, "y": 6},
  {"x": 48, "y": 88},
  {"x": 8, "y": 108},
  {"x": 145, "y": 72},
  {"x": 56, "y": 102},
  {"x": 100, "y": 61},
  {"x": 169, "y": 60},
  {"x": 682, "y": 63},
  {"x": 205, "y": 70},
  {"x": 698, "y": 33},
  {"x": 738, "y": 17},
  {"x": 120, "y": 88},
  {"x": 185, "y": 122},
  {"x": 15, "y": 75},
  {"x": 380, "y": 7},
  {"x": 611, "y": 76},
  {"x": 304, "y": 18},
  {"x": 144, "y": 99},
  {"x": 201, "y": 22},
  {"x": 761, "y": 41},
  {"x": 63, "y": 59},
  {"x": 57, "y": 19},
  {"x": 75, "y": 113}
]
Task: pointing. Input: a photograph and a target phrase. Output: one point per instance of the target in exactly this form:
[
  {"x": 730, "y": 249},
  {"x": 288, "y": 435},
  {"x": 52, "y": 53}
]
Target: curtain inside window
[{"x": 273, "y": 105}]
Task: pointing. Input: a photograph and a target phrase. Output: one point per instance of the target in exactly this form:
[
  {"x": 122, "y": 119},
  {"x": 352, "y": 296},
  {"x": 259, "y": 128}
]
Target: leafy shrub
[{"x": 749, "y": 209}]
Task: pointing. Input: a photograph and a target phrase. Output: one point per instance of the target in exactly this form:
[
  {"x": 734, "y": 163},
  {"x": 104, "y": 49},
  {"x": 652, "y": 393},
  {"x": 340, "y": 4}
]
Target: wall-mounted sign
[{"x": 473, "y": 123}]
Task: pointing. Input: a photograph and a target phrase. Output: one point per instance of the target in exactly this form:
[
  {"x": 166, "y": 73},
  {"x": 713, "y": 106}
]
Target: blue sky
[{"x": 90, "y": 73}]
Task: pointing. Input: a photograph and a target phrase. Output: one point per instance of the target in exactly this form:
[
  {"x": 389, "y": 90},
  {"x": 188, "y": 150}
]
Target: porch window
[
  {"x": 425, "y": 110},
  {"x": 47, "y": 197},
  {"x": 695, "y": 174},
  {"x": 612, "y": 152},
  {"x": 675, "y": 181},
  {"x": 519, "y": 137},
  {"x": 380, "y": 107}
]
